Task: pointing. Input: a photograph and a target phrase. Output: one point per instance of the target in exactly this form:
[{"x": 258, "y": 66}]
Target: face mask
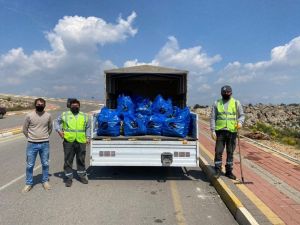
[
  {"x": 39, "y": 108},
  {"x": 226, "y": 97},
  {"x": 75, "y": 110}
]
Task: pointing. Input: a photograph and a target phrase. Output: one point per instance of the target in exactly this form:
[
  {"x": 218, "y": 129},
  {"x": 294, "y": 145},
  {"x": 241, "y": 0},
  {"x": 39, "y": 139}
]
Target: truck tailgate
[{"x": 143, "y": 153}]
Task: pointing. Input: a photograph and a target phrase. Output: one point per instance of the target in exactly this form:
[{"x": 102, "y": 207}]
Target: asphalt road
[{"x": 114, "y": 195}]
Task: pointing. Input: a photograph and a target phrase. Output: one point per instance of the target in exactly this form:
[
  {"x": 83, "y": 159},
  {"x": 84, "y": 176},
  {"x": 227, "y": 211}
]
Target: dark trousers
[
  {"x": 228, "y": 139},
  {"x": 71, "y": 149}
]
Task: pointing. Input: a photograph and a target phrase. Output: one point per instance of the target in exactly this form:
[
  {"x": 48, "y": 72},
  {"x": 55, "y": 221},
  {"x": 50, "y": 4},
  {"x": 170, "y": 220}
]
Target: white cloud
[
  {"x": 72, "y": 31},
  {"x": 204, "y": 88},
  {"x": 288, "y": 54},
  {"x": 267, "y": 80},
  {"x": 171, "y": 55},
  {"x": 72, "y": 66},
  {"x": 135, "y": 62},
  {"x": 195, "y": 59}
]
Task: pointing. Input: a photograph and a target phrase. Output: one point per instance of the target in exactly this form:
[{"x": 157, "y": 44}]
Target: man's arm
[
  {"x": 213, "y": 121},
  {"x": 26, "y": 126},
  {"x": 50, "y": 125},
  {"x": 213, "y": 117},
  {"x": 88, "y": 129},
  {"x": 241, "y": 115},
  {"x": 58, "y": 126}
]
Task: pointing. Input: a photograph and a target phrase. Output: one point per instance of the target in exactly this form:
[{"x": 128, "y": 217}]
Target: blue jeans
[{"x": 31, "y": 152}]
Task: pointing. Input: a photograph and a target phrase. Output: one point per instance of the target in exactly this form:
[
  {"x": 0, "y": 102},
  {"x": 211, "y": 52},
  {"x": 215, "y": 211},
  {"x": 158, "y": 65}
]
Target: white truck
[{"x": 147, "y": 150}]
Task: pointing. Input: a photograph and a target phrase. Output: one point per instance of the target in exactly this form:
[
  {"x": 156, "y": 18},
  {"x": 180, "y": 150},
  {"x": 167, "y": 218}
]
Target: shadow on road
[
  {"x": 37, "y": 179},
  {"x": 161, "y": 174}
]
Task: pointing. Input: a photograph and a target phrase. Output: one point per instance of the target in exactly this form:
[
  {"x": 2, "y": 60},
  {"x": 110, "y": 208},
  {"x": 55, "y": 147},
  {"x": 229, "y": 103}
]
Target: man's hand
[
  {"x": 61, "y": 134},
  {"x": 238, "y": 126},
  {"x": 88, "y": 141},
  {"x": 213, "y": 135}
]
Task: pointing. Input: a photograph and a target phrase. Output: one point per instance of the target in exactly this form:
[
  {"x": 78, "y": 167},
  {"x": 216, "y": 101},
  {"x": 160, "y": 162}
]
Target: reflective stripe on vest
[
  {"x": 74, "y": 128},
  {"x": 226, "y": 119}
]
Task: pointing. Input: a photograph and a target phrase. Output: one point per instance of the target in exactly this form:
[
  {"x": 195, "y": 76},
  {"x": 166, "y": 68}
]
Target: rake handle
[{"x": 238, "y": 136}]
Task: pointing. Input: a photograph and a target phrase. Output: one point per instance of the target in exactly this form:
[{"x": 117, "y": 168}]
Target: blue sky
[{"x": 60, "y": 48}]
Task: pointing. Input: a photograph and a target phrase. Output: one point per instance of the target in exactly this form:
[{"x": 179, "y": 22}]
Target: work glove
[
  {"x": 88, "y": 140},
  {"x": 238, "y": 126},
  {"x": 213, "y": 135}
]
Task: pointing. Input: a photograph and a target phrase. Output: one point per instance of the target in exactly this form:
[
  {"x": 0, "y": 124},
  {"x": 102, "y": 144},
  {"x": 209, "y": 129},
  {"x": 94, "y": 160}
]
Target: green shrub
[
  {"x": 289, "y": 141},
  {"x": 286, "y": 135},
  {"x": 266, "y": 128}
]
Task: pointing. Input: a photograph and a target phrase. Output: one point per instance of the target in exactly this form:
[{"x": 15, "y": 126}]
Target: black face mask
[
  {"x": 39, "y": 108},
  {"x": 225, "y": 97},
  {"x": 75, "y": 110}
]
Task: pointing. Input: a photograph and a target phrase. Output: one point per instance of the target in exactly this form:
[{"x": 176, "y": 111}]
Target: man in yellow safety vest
[
  {"x": 227, "y": 117},
  {"x": 74, "y": 128}
]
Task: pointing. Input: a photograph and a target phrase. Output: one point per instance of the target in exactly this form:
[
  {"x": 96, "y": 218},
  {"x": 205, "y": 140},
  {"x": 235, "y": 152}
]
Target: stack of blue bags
[{"x": 140, "y": 116}]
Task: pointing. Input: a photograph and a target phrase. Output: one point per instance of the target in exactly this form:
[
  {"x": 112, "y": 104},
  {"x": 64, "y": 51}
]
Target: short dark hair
[
  {"x": 39, "y": 100},
  {"x": 74, "y": 101}
]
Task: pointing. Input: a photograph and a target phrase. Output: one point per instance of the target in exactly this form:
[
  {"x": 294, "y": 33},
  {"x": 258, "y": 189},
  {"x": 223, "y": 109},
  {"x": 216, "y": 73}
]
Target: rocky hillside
[
  {"x": 13, "y": 104},
  {"x": 280, "y": 116}
]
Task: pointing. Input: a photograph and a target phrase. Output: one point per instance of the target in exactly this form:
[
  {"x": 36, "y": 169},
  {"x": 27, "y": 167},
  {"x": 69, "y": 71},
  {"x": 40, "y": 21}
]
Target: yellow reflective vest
[
  {"x": 74, "y": 128},
  {"x": 226, "y": 119}
]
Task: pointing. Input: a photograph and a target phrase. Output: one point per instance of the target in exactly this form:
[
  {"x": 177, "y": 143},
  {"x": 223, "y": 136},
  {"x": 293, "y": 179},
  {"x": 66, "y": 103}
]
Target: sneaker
[
  {"x": 68, "y": 183},
  {"x": 47, "y": 186},
  {"x": 27, "y": 188},
  {"x": 83, "y": 180},
  {"x": 230, "y": 175},
  {"x": 217, "y": 173}
]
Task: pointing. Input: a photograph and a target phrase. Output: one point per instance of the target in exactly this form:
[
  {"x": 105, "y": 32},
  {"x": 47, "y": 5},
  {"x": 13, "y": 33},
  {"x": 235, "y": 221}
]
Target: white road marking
[{"x": 18, "y": 178}]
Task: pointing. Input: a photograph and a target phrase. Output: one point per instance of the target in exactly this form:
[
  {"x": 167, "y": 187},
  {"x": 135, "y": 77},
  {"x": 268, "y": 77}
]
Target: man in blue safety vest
[
  {"x": 74, "y": 128},
  {"x": 227, "y": 117}
]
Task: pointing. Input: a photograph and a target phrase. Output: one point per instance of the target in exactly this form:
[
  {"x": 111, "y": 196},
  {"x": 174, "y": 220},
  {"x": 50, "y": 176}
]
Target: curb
[
  {"x": 11, "y": 132},
  {"x": 240, "y": 213}
]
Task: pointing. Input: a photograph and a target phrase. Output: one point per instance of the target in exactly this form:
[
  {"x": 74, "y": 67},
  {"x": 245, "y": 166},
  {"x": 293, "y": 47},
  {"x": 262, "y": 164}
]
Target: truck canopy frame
[{"x": 148, "y": 81}]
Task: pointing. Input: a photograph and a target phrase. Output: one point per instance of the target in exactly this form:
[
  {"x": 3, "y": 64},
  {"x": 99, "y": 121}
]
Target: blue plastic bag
[
  {"x": 125, "y": 106},
  {"x": 179, "y": 125},
  {"x": 154, "y": 124},
  {"x": 136, "y": 99},
  {"x": 162, "y": 106},
  {"x": 108, "y": 122},
  {"x": 134, "y": 126},
  {"x": 143, "y": 106}
]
